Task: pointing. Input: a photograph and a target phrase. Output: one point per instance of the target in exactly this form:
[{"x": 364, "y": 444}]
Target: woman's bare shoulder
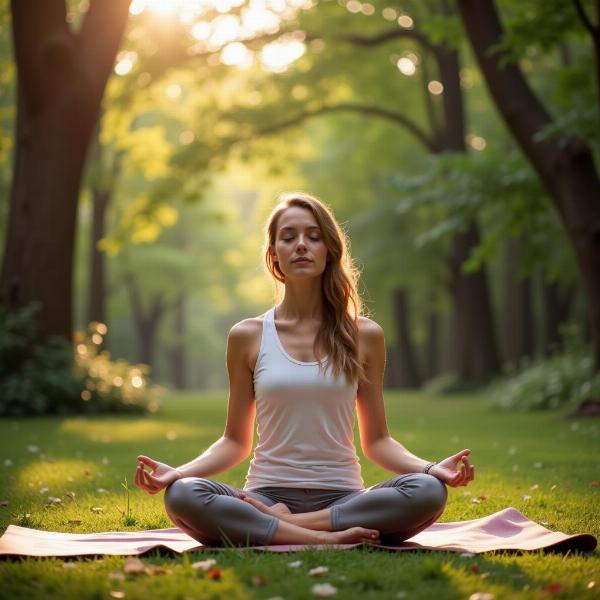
[
  {"x": 246, "y": 330},
  {"x": 369, "y": 330}
]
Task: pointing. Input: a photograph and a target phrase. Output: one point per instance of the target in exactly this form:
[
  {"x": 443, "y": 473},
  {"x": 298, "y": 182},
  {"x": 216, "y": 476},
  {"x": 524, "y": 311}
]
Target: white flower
[
  {"x": 204, "y": 565},
  {"x": 323, "y": 590}
]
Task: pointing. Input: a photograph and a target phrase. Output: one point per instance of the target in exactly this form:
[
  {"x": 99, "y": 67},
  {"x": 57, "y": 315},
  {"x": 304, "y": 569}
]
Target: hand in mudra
[
  {"x": 159, "y": 478},
  {"x": 446, "y": 470}
]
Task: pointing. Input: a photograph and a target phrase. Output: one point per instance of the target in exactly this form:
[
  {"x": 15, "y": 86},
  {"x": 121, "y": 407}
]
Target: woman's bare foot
[
  {"x": 279, "y": 510},
  {"x": 354, "y": 535}
]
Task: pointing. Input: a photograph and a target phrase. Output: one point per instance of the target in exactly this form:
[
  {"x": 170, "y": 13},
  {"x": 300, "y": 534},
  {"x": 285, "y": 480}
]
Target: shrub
[
  {"x": 54, "y": 378},
  {"x": 559, "y": 381}
]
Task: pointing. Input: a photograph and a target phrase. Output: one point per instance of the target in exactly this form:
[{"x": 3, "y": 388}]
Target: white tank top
[{"x": 305, "y": 422}]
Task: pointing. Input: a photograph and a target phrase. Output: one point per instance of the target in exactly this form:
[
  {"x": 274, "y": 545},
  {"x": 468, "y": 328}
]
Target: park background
[{"x": 142, "y": 147}]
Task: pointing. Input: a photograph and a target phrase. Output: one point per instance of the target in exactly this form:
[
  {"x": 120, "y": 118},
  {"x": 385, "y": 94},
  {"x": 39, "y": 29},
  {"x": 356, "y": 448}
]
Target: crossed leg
[
  {"x": 398, "y": 508},
  {"x": 213, "y": 512}
]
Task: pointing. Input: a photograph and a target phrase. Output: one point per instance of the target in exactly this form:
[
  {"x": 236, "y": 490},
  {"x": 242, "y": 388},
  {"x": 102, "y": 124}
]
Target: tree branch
[
  {"x": 385, "y": 36},
  {"x": 522, "y": 110},
  {"x": 377, "y": 111},
  {"x": 587, "y": 23}
]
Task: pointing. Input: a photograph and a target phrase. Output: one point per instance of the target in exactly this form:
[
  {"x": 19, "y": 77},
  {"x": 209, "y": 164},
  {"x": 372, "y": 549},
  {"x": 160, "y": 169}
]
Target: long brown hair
[{"x": 337, "y": 337}]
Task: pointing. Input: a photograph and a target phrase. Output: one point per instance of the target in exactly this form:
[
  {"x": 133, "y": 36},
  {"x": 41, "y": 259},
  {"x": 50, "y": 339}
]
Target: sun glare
[{"x": 225, "y": 33}]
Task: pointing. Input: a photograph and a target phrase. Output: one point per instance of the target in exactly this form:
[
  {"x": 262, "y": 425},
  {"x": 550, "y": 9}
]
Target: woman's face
[{"x": 299, "y": 247}]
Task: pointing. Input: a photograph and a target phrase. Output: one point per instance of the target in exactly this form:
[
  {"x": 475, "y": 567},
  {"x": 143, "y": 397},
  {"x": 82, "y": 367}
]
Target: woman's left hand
[{"x": 446, "y": 470}]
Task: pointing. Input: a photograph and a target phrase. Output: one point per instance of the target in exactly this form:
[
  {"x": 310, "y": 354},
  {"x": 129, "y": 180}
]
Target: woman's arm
[
  {"x": 236, "y": 442},
  {"x": 376, "y": 442}
]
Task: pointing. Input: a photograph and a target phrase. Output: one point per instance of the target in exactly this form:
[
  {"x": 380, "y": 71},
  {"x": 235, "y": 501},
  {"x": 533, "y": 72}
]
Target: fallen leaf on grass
[
  {"x": 323, "y": 590},
  {"x": 479, "y": 499},
  {"x": 593, "y": 483},
  {"x": 3, "y": 502},
  {"x": 117, "y": 594},
  {"x": 481, "y": 596},
  {"x": 295, "y": 564},
  {"x": 54, "y": 500},
  {"x": 96, "y": 509},
  {"x": 318, "y": 571},
  {"x": 258, "y": 580},
  {"x": 591, "y": 585},
  {"x": 554, "y": 588},
  {"x": 69, "y": 565},
  {"x": 475, "y": 569},
  {"x": 526, "y": 497},
  {"x": 204, "y": 565},
  {"x": 70, "y": 494},
  {"x": 214, "y": 573},
  {"x": 75, "y": 521},
  {"x": 43, "y": 490},
  {"x": 8, "y": 462},
  {"x": 134, "y": 566},
  {"x": 156, "y": 570}
]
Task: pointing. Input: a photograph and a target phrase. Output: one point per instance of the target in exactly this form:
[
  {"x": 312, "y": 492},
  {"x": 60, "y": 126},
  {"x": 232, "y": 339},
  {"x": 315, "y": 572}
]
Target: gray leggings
[{"x": 213, "y": 513}]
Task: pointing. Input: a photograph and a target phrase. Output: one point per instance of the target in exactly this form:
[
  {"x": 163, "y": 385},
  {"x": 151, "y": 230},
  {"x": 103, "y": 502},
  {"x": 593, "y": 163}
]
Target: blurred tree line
[{"x": 457, "y": 141}]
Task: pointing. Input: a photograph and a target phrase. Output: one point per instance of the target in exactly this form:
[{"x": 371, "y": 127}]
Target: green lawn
[{"x": 545, "y": 466}]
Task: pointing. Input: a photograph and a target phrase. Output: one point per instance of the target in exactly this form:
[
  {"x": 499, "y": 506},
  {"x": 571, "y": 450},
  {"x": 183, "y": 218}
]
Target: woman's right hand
[{"x": 159, "y": 478}]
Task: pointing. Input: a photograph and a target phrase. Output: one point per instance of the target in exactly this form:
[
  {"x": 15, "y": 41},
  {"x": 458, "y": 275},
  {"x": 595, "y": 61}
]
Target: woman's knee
[
  {"x": 432, "y": 492},
  {"x": 184, "y": 494}
]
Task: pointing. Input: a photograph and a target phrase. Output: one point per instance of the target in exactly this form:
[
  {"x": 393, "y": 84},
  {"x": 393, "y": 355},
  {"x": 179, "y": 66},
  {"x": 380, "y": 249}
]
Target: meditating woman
[{"x": 301, "y": 369}]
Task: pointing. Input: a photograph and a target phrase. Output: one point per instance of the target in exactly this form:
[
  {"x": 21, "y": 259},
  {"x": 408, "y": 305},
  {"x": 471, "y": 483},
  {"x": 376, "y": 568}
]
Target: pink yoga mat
[{"x": 507, "y": 529}]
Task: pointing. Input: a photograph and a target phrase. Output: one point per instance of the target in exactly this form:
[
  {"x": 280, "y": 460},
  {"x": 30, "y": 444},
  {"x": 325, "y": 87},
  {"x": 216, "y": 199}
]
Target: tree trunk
[
  {"x": 432, "y": 348},
  {"x": 97, "y": 290},
  {"x": 391, "y": 376},
  {"x": 473, "y": 339},
  {"x": 178, "y": 353},
  {"x": 475, "y": 354},
  {"x": 518, "y": 315},
  {"x": 557, "y": 307},
  {"x": 408, "y": 369},
  {"x": 60, "y": 82},
  {"x": 565, "y": 167}
]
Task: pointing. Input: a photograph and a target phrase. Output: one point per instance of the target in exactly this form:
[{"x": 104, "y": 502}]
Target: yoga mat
[{"x": 507, "y": 529}]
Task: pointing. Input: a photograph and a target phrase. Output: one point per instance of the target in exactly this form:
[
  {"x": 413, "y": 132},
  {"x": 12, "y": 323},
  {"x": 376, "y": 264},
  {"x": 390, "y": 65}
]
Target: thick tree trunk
[
  {"x": 178, "y": 353},
  {"x": 391, "y": 376},
  {"x": 61, "y": 79},
  {"x": 432, "y": 347},
  {"x": 97, "y": 289},
  {"x": 408, "y": 369},
  {"x": 518, "y": 314},
  {"x": 557, "y": 302},
  {"x": 475, "y": 347},
  {"x": 565, "y": 167}
]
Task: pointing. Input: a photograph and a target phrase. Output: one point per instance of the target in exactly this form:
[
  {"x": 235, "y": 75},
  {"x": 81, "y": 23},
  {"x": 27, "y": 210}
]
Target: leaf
[
  {"x": 318, "y": 571},
  {"x": 204, "y": 565},
  {"x": 323, "y": 590},
  {"x": 134, "y": 566},
  {"x": 214, "y": 573},
  {"x": 258, "y": 580},
  {"x": 554, "y": 588}
]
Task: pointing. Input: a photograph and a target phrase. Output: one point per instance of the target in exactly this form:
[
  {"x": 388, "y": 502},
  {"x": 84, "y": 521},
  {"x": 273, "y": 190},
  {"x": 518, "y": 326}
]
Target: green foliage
[
  {"x": 44, "y": 378},
  {"x": 559, "y": 381}
]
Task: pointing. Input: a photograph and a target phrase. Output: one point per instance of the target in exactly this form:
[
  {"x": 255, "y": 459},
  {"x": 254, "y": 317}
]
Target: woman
[{"x": 302, "y": 367}]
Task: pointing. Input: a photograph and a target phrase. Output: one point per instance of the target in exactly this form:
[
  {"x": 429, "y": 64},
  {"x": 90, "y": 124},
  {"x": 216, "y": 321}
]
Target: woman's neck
[{"x": 303, "y": 301}]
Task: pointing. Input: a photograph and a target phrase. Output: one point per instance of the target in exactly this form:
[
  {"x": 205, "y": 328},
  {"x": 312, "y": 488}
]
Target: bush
[
  {"x": 55, "y": 378},
  {"x": 560, "y": 381}
]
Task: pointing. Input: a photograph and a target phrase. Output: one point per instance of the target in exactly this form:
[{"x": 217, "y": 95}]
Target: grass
[{"x": 539, "y": 463}]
